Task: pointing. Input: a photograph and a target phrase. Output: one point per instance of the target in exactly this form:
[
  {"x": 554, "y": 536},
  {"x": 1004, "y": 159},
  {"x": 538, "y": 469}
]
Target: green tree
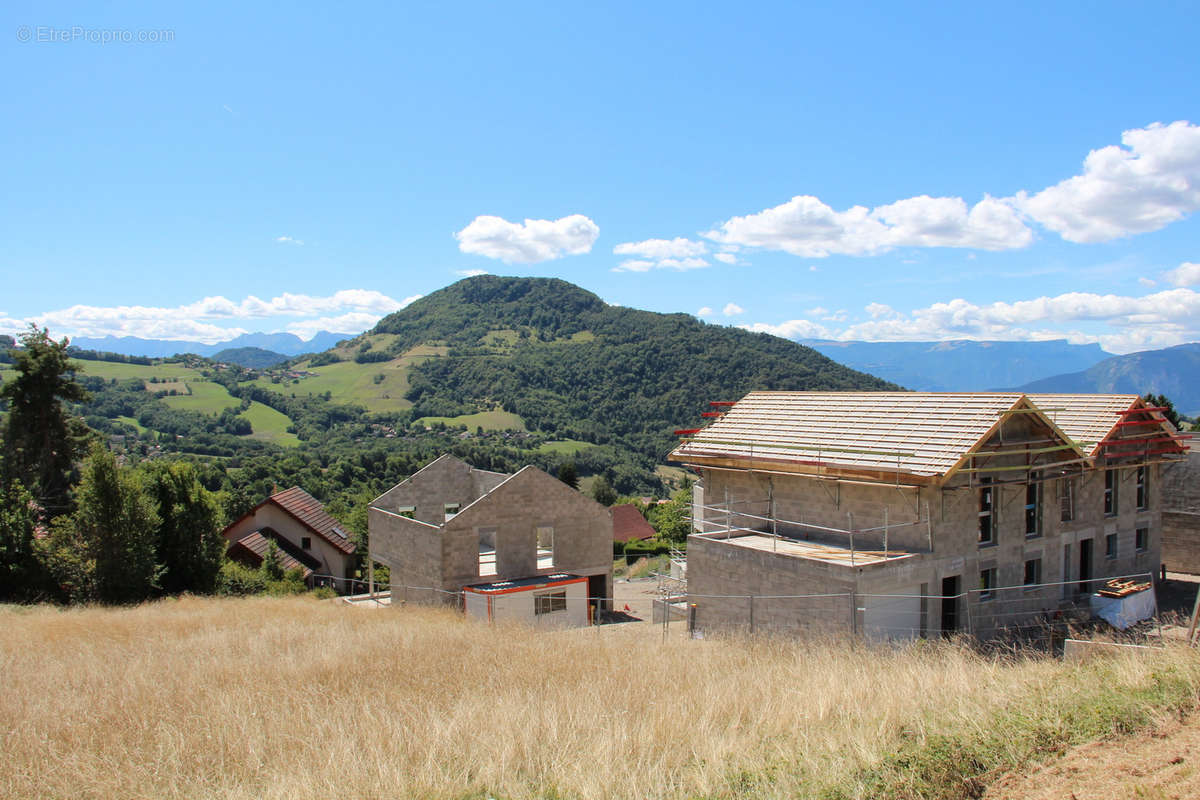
[
  {"x": 673, "y": 520},
  {"x": 1162, "y": 401},
  {"x": 105, "y": 550},
  {"x": 188, "y": 541},
  {"x": 603, "y": 492},
  {"x": 42, "y": 441},
  {"x": 20, "y": 571},
  {"x": 272, "y": 564},
  {"x": 567, "y": 474}
]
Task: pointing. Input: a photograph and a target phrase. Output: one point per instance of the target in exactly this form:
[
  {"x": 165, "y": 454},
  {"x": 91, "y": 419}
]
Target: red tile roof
[
  {"x": 308, "y": 511},
  {"x": 253, "y": 547},
  {"x": 629, "y": 524}
]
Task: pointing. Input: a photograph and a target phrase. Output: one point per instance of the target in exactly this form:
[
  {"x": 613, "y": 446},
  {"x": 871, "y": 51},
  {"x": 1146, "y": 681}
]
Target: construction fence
[{"x": 1028, "y": 611}]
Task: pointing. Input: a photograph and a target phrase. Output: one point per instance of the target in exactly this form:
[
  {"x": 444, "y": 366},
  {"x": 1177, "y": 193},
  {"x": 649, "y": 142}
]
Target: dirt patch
[{"x": 1161, "y": 765}]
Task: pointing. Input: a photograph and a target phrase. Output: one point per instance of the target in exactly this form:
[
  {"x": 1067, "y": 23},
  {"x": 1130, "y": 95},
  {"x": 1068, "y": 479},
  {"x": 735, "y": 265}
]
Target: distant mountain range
[
  {"x": 287, "y": 344},
  {"x": 1173, "y": 371},
  {"x": 961, "y": 365}
]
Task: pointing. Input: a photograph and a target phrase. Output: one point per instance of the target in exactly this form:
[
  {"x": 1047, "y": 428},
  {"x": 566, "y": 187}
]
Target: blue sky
[{"x": 870, "y": 172}]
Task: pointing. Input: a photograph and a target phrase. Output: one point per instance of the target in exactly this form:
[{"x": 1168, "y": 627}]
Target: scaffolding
[{"x": 799, "y": 539}]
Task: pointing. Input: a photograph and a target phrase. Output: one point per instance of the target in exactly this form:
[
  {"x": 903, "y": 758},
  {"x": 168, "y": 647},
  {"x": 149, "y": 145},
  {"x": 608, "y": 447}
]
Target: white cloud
[
  {"x": 656, "y": 249},
  {"x": 804, "y": 226},
  {"x": 530, "y": 242},
  {"x": 289, "y": 240},
  {"x": 1160, "y": 319},
  {"x": 353, "y": 310},
  {"x": 353, "y": 322},
  {"x": 732, "y": 310},
  {"x": 1152, "y": 181},
  {"x": 678, "y": 253},
  {"x": 1144, "y": 185},
  {"x": 726, "y": 258},
  {"x": 470, "y": 273},
  {"x": 792, "y": 329},
  {"x": 1144, "y": 281},
  {"x": 1186, "y": 274},
  {"x": 705, "y": 312},
  {"x": 642, "y": 265},
  {"x": 635, "y": 265}
]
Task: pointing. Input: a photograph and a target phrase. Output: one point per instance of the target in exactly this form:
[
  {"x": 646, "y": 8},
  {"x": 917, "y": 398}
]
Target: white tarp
[{"x": 1122, "y": 612}]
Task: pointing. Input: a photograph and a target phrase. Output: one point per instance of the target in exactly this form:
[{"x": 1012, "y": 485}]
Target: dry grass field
[{"x": 296, "y": 698}]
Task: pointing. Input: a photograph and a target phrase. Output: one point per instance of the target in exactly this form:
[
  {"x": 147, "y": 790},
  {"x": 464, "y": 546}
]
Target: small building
[
  {"x": 452, "y": 526},
  {"x": 902, "y": 514},
  {"x": 1181, "y": 516},
  {"x": 559, "y": 600},
  {"x": 629, "y": 525},
  {"x": 308, "y": 538}
]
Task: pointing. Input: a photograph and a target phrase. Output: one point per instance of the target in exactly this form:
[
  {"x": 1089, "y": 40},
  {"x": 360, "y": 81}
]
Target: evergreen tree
[
  {"x": 114, "y": 528},
  {"x": 41, "y": 441},
  {"x": 188, "y": 541},
  {"x": 20, "y": 573},
  {"x": 567, "y": 474}
]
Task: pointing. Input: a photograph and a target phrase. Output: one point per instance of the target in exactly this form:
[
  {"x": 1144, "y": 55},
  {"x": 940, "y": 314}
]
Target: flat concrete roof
[{"x": 817, "y": 551}]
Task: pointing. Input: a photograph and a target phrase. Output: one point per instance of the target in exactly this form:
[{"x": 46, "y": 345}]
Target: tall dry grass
[{"x": 293, "y": 698}]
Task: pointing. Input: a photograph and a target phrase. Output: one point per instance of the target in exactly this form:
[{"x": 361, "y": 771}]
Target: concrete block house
[
  {"x": 908, "y": 514},
  {"x": 451, "y": 526},
  {"x": 308, "y": 538}
]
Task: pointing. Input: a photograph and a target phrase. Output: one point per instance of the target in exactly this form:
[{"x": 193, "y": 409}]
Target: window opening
[{"x": 987, "y": 512}]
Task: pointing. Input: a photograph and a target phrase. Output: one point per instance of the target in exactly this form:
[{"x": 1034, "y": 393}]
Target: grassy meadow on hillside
[{"x": 297, "y": 698}]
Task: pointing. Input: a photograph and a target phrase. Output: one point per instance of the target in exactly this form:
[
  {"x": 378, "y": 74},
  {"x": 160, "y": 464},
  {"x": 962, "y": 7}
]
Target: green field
[
  {"x": 350, "y": 382},
  {"x": 488, "y": 420},
  {"x": 111, "y": 369},
  {"x": 206, "y": 397},
  {"x": 131, "y": 421},
  {"x": 270, "y": 425}
]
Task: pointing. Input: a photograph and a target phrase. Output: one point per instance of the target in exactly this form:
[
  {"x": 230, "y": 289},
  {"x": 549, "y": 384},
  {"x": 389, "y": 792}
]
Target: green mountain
[
  {"x": 253, "y": 357},
  {"x": 1173, "y": 371},
  {"x": 566, "y": 363}
]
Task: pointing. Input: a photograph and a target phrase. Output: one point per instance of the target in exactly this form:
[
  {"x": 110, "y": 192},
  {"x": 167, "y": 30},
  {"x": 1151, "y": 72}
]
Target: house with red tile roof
[
  {"x": 629, "y": 525},
  {"x": 308, "y": 538}
]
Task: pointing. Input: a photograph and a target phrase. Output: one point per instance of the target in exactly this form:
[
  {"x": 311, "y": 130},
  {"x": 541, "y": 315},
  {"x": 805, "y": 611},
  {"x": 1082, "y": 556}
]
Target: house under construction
[{"x": 931, "y": 512}]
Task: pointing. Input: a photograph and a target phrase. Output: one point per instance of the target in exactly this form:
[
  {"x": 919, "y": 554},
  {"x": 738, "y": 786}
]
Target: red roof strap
[
  {"x": 723, "y": 403},
  {"x": 712, "y": 414},
  {"x": 1139, "y": 422},
  {"x": 687, "y": 431},
  {"x": 1163, "y": 437}
]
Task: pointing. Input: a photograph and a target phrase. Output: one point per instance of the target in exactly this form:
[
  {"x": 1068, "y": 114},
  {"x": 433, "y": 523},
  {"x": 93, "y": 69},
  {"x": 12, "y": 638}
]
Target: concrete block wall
[
  {"x": 445, "y": 480},
  {"x": 1181, "y": 515},
  {"x": 731, "y": 573},
  {"x": 528, "y": 500},
  {"x": 430, "y": 551},
  {"x": 412, "y": 550},
  {"x": 1181, "y": 541},
  {"x": 954, "y": 524}
]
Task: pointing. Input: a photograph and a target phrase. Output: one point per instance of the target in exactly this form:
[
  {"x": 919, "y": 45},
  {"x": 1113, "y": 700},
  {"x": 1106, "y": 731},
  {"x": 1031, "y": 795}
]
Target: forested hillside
[
  {"x": 570, "y": 365},
  {"x": 502, "y": 372}
]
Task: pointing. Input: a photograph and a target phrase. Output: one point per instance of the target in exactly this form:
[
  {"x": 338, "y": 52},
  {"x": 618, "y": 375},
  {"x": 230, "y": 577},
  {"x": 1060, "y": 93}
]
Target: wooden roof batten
[{"x": 908, "y": 438}]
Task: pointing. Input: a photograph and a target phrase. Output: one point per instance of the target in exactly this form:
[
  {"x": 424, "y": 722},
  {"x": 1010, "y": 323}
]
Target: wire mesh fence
[{"x": 1029, "y": 612}]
